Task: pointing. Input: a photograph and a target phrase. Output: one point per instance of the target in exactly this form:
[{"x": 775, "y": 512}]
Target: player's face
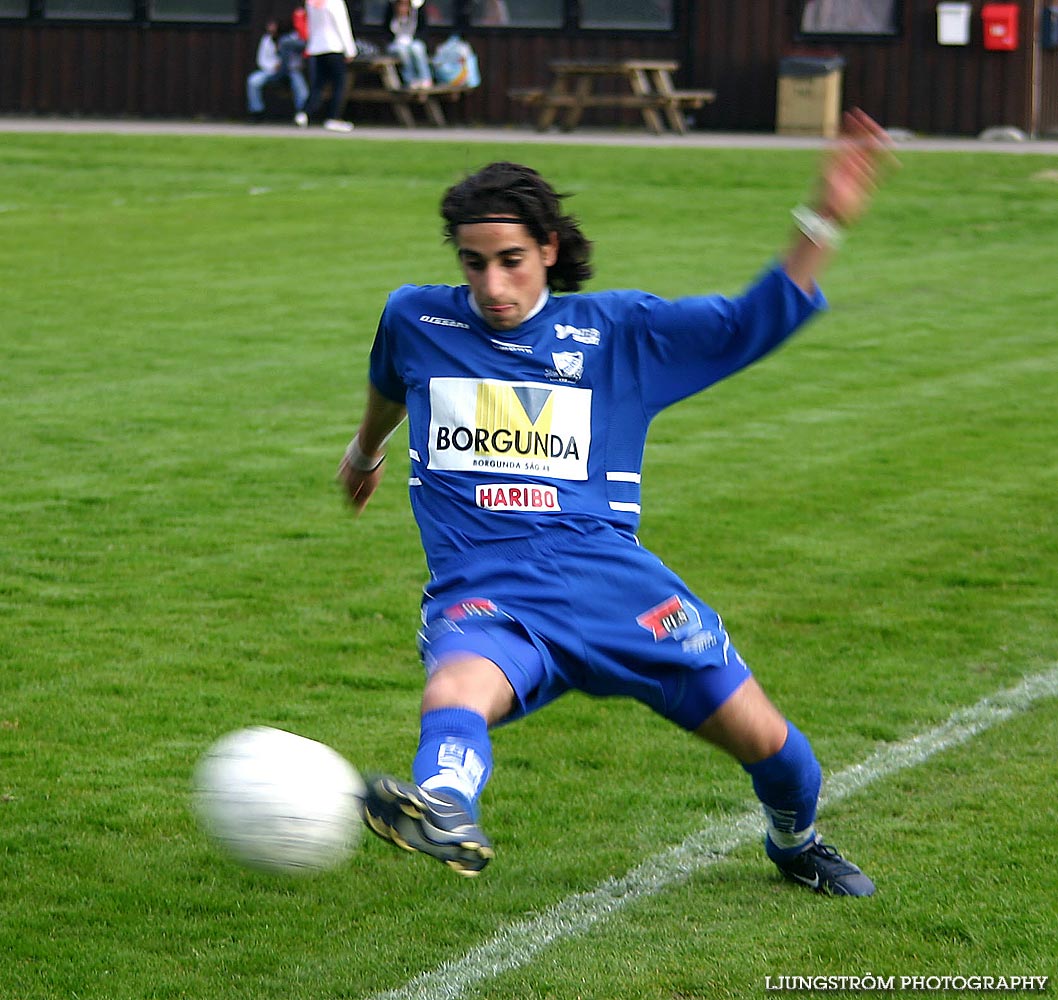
[{"x": 505, "y": 268}]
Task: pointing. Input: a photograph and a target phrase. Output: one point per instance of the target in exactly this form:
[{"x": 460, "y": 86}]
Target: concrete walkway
[{"x": 520, "y": 135}]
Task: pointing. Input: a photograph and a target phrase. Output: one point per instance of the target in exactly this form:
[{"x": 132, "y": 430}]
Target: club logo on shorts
[
  {"x": 671, "y": 619},
  {"x": 474, "y": 607}
]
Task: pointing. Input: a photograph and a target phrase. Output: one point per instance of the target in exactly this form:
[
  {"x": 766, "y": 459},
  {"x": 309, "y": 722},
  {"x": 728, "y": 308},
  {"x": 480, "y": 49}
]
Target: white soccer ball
[{"x": 278, "y": 802}]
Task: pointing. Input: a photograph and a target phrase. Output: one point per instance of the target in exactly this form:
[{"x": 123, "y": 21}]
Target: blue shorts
[{"x": 589, "y": 610}]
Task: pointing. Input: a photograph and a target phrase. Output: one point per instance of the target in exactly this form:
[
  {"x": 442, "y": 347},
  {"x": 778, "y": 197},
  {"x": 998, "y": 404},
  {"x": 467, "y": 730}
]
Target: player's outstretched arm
[
  {"x": 360, "y": 470},
  {"x": 849, "y": 176}
]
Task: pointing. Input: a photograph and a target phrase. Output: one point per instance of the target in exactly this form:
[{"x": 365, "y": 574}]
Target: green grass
[{"x": 185, "y": 324}]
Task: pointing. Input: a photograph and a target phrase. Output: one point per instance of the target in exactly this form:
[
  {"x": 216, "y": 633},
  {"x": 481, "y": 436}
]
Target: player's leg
[
  {"x": 786, "y": 777},
  {"x": 436, "y": 814},
  {"x": 478, "y": 675},
  {"x": 659, "y": 643}
]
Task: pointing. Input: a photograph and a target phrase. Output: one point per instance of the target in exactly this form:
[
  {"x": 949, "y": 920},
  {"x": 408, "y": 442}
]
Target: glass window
[
  {"x": 518, "y": 13},
  {"x": 850, "y": 17},
  {"x": 14, "y": 8},
  {"x": 93, "y": 10},
  {"x": 438, "y": 12},
  {"x": 226, "y": 11},
  {"x": 656, "y": 14},
  {"x": 374, "y": 11}
]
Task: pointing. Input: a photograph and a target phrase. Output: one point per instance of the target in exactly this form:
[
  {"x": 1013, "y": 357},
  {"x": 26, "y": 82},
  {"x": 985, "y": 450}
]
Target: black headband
[{"x": 474, "y": 220}]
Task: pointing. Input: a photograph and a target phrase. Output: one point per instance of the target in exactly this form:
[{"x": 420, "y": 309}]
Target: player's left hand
[{"x": 853, "y": 168}]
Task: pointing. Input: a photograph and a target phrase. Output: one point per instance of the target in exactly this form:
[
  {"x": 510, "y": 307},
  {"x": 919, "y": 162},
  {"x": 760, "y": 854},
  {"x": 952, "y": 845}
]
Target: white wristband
[
  {"x": 822, "y": 232},
  {"x": 360, "y": 461}
]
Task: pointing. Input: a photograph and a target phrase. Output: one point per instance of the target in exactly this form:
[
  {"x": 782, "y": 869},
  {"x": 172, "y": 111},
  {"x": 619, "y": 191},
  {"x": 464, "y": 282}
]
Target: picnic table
[
  {"x": 376, "y": 79},
  {"x": 645, "y": 84}
]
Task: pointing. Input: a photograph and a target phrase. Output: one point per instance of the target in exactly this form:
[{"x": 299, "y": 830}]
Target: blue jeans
[
  {"x": 259, "y": 79},
  {"x": 414, "y": 63},
  {"x": 327, "y": 69}
]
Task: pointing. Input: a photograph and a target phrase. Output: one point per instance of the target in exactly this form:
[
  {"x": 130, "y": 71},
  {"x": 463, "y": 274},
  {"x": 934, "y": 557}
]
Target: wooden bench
[
  {"x": 650, "y": 91},
  {"x": 388, "y": 88}
]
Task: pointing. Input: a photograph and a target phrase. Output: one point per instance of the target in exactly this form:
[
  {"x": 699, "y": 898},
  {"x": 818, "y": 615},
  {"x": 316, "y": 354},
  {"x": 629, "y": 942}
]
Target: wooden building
[{"x": 190, "y": 58}]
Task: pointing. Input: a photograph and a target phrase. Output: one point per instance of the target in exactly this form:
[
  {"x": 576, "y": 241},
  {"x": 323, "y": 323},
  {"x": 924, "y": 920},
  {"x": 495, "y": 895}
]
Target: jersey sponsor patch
[
  {"x": 586, "y": 335},
  {"x": 530, "y": 428},
  {"x": 517, "y": 496}
]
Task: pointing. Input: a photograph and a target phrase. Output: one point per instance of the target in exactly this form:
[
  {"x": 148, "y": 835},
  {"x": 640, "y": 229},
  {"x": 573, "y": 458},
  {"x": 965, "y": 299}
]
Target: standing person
[
  {"x": 405, "y": 28},
  {"x": 528, "y": 414},
  {"x": 330, "y": 48},
  {"x": 280, "y": 59}
]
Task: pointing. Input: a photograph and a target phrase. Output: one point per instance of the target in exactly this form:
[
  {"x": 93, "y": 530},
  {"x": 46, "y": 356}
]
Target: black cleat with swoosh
[{"x": 821, "y": 868}]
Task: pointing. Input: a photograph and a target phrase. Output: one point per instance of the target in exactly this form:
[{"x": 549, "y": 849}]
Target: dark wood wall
[{"x": 731, "y": 46}]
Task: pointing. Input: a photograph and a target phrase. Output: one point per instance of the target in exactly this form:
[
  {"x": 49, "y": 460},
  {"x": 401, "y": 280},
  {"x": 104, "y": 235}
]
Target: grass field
[{"x": 873, "y": 510}]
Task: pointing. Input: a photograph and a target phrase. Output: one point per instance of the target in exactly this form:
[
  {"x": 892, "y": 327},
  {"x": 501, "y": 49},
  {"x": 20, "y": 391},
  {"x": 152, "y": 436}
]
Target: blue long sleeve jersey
[{"x": 516, "y": 433}]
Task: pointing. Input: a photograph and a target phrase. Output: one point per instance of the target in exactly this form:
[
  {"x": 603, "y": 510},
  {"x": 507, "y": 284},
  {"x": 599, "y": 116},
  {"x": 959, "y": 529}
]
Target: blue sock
[
  {"x": 787, "y": 785},
  {"x": 455, "y": 754}
]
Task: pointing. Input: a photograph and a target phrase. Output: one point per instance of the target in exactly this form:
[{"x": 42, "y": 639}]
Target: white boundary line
[{"x": 518, "y": 944}]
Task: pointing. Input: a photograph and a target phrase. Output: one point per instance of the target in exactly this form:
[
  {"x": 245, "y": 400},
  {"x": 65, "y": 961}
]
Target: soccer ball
[{"x": 278, "y": 802}]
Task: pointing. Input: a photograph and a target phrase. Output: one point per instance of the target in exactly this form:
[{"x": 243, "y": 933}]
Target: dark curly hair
[{"x": 516, "y": 191}]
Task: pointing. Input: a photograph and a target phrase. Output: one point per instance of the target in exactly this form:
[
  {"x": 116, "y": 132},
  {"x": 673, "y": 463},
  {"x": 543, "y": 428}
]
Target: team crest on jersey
[
  {"x": 569, "y": 365},
  {"x": 671, "y": 619}
]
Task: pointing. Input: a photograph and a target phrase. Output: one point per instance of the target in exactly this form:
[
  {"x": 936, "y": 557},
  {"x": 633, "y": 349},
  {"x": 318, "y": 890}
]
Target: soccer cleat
[
  {"x": 819, "y": 867},
  {"x": 337, "y": 125},
  {"x": 429, "y": 822},
  {"x": 301, "y": 120}
]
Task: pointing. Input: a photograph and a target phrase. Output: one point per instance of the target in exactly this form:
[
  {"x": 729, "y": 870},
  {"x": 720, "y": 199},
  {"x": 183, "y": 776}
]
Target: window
[
  {"x": 14, "y": 8},
  {"x": 196, "y": 11},
  {"x": 850, "y": 17},
  {"x": 518, "y": 13},
  {"x": 656, "y": 14},
  {"x": 438, "y": 12},
  {"x": 592, "y": 15},
  {"x": 89, "y": 10}
]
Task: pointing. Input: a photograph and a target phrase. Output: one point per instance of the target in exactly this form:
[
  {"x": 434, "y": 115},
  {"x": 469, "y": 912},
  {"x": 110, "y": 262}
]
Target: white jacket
[
  {"x": 329, "y": 28},
  {"x": 268, "y": 55}
]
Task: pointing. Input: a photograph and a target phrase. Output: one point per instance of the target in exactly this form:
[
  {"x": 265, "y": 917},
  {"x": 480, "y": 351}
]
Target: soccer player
[{"x": 527, "y": 418}]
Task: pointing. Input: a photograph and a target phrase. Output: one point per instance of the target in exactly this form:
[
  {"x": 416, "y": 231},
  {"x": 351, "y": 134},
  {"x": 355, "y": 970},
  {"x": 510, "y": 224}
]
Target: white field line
[{"x": 518, "y": 944}]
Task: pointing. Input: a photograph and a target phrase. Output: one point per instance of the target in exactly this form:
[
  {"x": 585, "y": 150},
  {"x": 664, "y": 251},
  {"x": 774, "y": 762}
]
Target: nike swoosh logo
[{"x": 812, "y": 883}]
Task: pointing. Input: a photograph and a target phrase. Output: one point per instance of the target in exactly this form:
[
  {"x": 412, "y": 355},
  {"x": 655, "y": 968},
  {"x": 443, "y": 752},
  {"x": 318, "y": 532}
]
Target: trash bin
[{"x": 809, "y": 99}]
